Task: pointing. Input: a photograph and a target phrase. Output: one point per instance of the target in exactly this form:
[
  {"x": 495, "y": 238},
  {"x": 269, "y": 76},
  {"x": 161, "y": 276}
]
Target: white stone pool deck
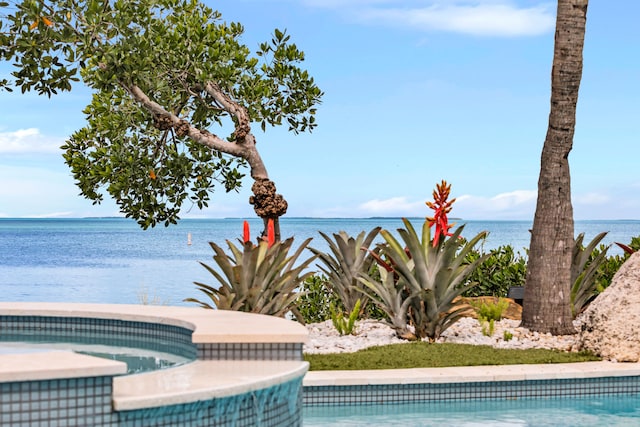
[{"x": 465, "y": 374}]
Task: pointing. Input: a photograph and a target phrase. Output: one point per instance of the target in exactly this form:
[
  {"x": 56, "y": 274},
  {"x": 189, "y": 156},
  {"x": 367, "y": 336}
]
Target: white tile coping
[
  {"x": 201, "y": 380},
  {"x": 46, "y": 365},
  {"x": 209, "y": 326},
  {"x": 464, "y": 374}
]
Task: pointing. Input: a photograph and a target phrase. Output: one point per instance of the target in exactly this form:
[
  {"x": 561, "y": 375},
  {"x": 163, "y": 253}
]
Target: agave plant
[
  {"x": 431, "y": 277},
  {"x": 260, "y": 278},
  {"x": 349, "y": 258},
  {"x": 393, "y": 297},
  {"x": 583, "y": 276}
]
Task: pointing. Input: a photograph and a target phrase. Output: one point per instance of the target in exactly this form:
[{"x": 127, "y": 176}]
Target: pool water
[
  {"x": 613, "y": 410},
  {"x": 137, "y": 360}
]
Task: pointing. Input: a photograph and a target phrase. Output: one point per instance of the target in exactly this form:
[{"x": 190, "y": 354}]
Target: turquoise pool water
[
  {"x": 138, "y": 360},
  {"x": 614, "y": 410}
]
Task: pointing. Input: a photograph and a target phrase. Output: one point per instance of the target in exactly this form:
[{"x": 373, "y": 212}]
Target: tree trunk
[
  {"x": 547, "y": 295},
  {"x": 267, "y": 204}
]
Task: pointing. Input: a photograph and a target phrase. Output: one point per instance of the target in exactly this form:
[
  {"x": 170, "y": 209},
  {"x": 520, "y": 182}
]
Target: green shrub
[
  {"x": 502, "y": 269},
  {"x": 315, "y": 299},
  {"x": 608, "y": 269}
]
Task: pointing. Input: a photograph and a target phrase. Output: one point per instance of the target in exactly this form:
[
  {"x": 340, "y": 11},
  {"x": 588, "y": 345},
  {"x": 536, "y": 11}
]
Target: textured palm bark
[{"x": 546, "y": 306}]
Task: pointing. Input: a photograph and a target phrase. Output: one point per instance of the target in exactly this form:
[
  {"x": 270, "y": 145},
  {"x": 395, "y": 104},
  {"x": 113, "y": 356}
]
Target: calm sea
[{"x": 114, "y": 261}]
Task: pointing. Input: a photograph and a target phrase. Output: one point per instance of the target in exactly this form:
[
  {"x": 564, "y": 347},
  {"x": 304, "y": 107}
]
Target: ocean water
[{"x": 112, "y": 260}]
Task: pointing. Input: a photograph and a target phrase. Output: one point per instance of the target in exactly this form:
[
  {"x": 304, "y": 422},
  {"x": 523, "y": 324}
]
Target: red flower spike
[
  {"x": 246, "y": 235},
  {"x": 271, "y": 234},
  {"x": 441, "y": 207}
]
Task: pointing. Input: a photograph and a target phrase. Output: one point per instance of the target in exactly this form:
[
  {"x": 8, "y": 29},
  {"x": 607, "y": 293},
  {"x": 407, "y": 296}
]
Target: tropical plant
[
  {"x": 425, "y": 276},
  {"x": 488, "y": 313},
  {"x": 315, "y": 298},
  {"x": 501, "y": 270},
  {"x": 490, "y": 310},
  {"x": 345, "y": 325},
  {"x": 611, "y": 264},
  {"x": 584, "y": 271},
  {"x": 392, "y": 297},
  {"x": 260, "y": 278},
  {"x": 349, "y": 258},
  {"x": 175, "y": 96}
]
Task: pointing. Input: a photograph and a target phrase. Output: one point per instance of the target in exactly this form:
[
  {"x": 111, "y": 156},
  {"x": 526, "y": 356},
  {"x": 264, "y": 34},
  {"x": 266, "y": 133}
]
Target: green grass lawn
[{"x": 425, "y": 355}]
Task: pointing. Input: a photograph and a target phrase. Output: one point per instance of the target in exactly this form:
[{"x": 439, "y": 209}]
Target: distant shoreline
[{"x": 308, "y": 218}]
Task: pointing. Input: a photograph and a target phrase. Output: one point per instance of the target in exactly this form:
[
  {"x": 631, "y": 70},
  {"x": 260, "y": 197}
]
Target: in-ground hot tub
[{"x": 247, "y": 369}]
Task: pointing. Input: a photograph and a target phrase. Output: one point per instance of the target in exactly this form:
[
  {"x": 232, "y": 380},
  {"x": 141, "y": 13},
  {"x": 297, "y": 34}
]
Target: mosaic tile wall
[
  {"x": 277, "y": 406},
  {"x": 540, "y": 389},
  {"x": 120, "y": 333},
  {"x": 250, "y": 351},
  {"x": 87, "y": 401},
  {"x": 63, "y": 402}
]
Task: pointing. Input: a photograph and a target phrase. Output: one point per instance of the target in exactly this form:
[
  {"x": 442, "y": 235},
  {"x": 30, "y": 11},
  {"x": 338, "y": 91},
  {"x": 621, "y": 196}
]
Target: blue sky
[{"x": 415, "y": 91}]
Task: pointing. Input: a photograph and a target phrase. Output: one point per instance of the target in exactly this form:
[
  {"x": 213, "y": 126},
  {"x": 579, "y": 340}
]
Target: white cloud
[
  {"x": 395, "y": 206},
  {"x": 518, "y": 204},
  {"x": 502, "y": 18},
  {"x": 28, "y": 141}
]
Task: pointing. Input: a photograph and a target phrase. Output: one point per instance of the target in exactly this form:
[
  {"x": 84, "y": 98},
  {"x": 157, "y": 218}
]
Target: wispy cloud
[
  {"x": 26, "y": 141},
  {"x": 497, "y": 18},
  {"x": 518, "y": 204},
  {"x": 395, "y": 206}
]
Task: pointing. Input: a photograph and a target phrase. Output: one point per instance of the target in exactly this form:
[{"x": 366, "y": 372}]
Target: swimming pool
[
  {"x": 138, "y": 360},
  {"x": 607, "y": 410},
  {"x": 244, "y": 369},
  {"x": 594, "y": 393}
]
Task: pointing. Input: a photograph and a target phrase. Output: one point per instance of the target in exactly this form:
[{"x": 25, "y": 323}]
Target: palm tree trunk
[{"x": 546, "y": 306}]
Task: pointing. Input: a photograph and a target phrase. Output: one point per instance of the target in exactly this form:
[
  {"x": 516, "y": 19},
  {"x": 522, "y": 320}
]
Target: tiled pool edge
[
  {"x": 333, "y": 388},
  {"x": 273, "y": 398}
]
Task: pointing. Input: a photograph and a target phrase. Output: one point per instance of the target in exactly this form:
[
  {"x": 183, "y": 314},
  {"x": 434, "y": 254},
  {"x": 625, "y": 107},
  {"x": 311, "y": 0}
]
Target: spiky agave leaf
[
  {"x": 391, "y": 297},
  {"x": 583, "y": 277},
  {"x": 434, "y": 274},
  {"x": 257, "y": 279},
  {"x": 348, "y": 258}
]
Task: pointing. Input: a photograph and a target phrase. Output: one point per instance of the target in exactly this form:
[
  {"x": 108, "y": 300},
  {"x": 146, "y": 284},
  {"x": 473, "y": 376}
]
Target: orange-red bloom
[
  {"x": 271, "y": 234},
  {"x": 246, "y": 235},
  {"x": 441, "y": 207}
]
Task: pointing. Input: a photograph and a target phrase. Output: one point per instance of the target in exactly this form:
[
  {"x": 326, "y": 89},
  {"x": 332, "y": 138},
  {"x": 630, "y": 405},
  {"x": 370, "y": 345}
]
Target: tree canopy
[{"x": 175, "y": 95}]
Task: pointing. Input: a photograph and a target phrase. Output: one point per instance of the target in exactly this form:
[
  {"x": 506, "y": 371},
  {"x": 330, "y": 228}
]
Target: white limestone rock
[
  {"x": 323, "y": 338},
  {"x": 610, "y": 326}
]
